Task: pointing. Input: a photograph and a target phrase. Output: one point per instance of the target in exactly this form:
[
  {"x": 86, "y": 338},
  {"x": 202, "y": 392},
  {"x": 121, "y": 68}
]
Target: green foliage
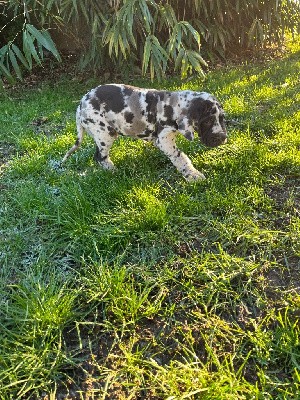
[
  {"x": 32, "y": 321},
  {"x": 146, "y": 36},
  {"x": 14, "y": 58},
  {"x": 124, "y": 300}
]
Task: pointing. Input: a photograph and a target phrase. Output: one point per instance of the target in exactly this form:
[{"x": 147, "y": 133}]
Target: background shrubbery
[{"x": 146, "y": 36}]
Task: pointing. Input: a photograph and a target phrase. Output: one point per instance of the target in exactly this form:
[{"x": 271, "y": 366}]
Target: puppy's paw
[
  {"x": 107, "y": 164},
  {"x": 194, "y": 176}
]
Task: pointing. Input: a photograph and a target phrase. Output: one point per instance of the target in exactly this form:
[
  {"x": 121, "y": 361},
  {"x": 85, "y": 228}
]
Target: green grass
[{"x": 136, "y": 284}]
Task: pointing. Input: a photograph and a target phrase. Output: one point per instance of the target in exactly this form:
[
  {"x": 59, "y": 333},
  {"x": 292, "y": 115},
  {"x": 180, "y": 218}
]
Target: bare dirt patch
[{"x": 286, "y": 194}]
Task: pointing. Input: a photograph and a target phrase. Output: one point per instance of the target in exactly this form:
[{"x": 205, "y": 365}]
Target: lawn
[{"x": 135, "y": 284}]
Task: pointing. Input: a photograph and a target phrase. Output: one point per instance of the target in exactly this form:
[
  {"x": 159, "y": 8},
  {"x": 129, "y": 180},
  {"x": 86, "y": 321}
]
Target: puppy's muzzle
[{"x": 216, "y": 139}]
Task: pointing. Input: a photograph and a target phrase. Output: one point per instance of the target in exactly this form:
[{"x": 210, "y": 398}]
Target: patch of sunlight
[
  {"x": 266, "y": 93},
  {"x": 235, "y": 105}
]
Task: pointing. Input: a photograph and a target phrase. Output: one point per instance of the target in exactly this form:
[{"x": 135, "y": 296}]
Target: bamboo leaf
[
  {"x": 20, "y": 56},
  {"x": 167, "y": 16},
  {"x": 193, "y": 61},
  {"x": 200, "y": 59},
  {"x": 179, "y": 58},
  {"x": 146, "y": 15},
  {"x": 154, "y": 56},
  {"x": 5, "y": 71},
  {"x": 14, "y": 63},
  {"x": 192, "y": 30},
  {"x": 44, "y": 38},
  {"x": 146, "y": 55},
  {"x": 3, "y": 51},
  {"x": 26, "y": 49},
  {"x": 51, "y": 45},
  {"x": 123, "y": 44},
  {"x": 221, "y": 38},
  {"x": 30, "y": 48}
]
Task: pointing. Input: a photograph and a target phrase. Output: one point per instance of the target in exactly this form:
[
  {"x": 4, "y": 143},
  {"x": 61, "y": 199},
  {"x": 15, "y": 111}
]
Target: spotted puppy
[{"x": 152, "y": 115}]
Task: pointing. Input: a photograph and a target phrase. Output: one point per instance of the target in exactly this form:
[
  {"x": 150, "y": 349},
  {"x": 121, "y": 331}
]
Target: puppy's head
[{"x": 207, "y": 116}]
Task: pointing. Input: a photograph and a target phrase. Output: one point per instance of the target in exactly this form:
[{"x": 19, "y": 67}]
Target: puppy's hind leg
[
  {"x": 80, "y": 135},
  {"x": 104, "y": 141}
]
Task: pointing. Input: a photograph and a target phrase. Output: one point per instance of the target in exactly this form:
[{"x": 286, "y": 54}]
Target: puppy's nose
[{"x": 222, "y": 137}]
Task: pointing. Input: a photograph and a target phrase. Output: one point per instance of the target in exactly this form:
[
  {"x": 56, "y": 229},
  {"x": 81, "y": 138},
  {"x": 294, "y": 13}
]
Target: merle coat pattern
[{"x": 152, "y": 115}]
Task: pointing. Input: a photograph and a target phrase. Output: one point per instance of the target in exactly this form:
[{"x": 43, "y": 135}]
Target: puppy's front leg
[{"x": 166, "y": 143}]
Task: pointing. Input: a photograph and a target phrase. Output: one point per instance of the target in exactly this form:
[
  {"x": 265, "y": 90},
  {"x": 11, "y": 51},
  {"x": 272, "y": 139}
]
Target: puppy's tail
[{"x": 80, "y": 135}]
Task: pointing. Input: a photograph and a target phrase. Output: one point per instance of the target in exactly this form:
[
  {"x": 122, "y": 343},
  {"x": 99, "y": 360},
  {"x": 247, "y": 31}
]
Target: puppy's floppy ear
[{"x": 198, "y": 108}]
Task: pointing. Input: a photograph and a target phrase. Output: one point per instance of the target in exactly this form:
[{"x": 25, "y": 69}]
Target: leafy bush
[{"x": 150, "y": 36}]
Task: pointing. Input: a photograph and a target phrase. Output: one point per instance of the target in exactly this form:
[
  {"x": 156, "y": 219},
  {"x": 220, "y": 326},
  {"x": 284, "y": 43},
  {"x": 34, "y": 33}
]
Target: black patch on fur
[
  {"x": 159, "y": 128},
  {"x": 188, "y": 135},
  {"x": 181, "y": 126},
  {"x": 151, "y": 108},
  {"x": 168, "y": 113},
  {"x": 127, "y": 91},
  {"x": 103, "y": 144},
  {"x": 162, "y": 95},
  {"x": 88, "y": 121},
  {"x": 147, "y": 133},
  {"x": 152, "y": 133},
  {"x": 109, "y": 95},
  {"x": 128, "y": 117},
  {"x": 111, "y": 131},
  {"x": 98, "y": 156},
  {"x": 198, "y": 109},
  {"x": 102, "y": 123},
  {"x": 95, "y": 103}
]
